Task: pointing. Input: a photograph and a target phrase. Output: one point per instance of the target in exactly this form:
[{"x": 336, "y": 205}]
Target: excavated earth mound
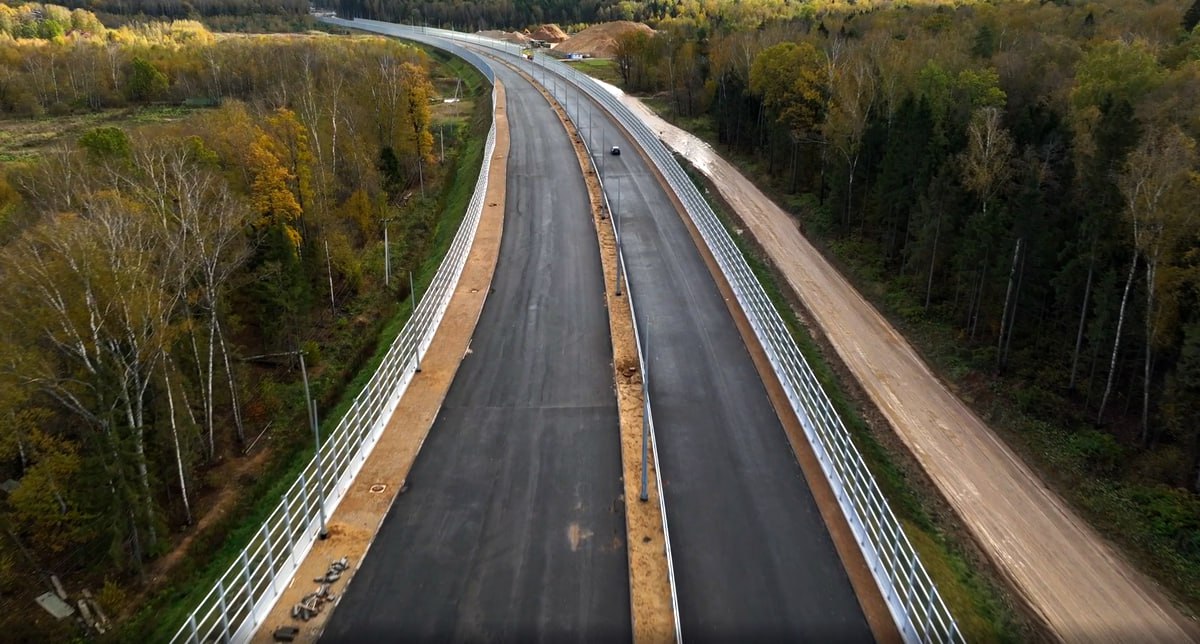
[
  {"x": 550, "y": 33},
  {"x": 507, "y": 36},
  {"x": 600, "y": 41}
]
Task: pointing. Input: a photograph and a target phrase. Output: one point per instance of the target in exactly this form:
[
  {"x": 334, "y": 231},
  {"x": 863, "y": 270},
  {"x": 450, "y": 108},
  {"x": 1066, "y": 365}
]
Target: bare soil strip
[
  {"x": 357, "y": 518},
  {"x": 649, "y": 585},
  {"x": 1072, "y": 579}
]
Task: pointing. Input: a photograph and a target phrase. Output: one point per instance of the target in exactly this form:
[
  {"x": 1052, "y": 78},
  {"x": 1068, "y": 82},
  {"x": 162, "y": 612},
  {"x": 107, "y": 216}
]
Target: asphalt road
[
  {"x": 512, "y": 528},
  {"x": 753, "y": 559}
]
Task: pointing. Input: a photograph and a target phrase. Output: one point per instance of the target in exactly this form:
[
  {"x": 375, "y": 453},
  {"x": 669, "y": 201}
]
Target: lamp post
[
  {"x": 616, "y": 215},
  {"x": 645, "y": 495}
]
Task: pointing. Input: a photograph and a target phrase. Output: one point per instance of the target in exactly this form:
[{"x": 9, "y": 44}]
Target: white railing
[
  {"x": 243, "y": 597},
  {"x": 912, "y": 598}
]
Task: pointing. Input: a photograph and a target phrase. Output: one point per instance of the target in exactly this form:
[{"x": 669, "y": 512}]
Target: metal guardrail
[
  {"x": 916, "y": 606},
  {"x": 243, "y": 597}
]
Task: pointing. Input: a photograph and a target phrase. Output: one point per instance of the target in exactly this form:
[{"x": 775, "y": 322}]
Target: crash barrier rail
[
  {"x": 912, "y": 597},
  {"x": 245, "y": 594}
]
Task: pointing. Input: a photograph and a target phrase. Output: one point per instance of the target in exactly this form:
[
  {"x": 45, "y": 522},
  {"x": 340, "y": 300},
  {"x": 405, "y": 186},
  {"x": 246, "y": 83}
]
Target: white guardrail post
[
  {"x": 912, "y": 598},
  {"x": 226, "y": 614}
]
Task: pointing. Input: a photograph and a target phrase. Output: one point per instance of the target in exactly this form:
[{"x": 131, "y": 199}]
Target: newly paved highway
[
  {"x": 512, "y": 528},
  {"x": 753, "y": 559}
]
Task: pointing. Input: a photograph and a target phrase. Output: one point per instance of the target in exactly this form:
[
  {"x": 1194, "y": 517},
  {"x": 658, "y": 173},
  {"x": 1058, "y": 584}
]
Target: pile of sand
[
  {"x": 549, "y": 33},
  {"x": 600, "y": 40},
  {"x": 506, "y": 36}
]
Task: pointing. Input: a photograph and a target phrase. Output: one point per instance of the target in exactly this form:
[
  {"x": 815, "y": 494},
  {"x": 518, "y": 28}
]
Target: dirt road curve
[{"x": 1071, "y": 578}]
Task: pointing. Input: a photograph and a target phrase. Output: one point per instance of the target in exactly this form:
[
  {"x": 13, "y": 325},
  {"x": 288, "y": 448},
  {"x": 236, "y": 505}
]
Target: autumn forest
[{"x": 216, "y": 207}]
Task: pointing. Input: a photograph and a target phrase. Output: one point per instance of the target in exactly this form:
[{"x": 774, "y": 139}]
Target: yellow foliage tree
[
  {"x": 419, "y": 89},
  {"x": 293, "y": 151},
  {"x": 358, "y": 209},
  {"x": 791, "y": 81},
  {"x": 270, "y": 192}
]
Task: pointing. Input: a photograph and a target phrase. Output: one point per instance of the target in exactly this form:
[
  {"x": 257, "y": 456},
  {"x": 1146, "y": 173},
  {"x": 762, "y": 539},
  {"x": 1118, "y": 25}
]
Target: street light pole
[
  {"x": 311, "y": 406},
  {"x": 616, "y": 215},
  {"x": 645, "y": 495}
]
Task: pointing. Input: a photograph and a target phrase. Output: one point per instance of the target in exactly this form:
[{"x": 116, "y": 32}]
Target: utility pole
[
  {"x": 387, "y": 254},
  {"x": 311, "y": 406}
]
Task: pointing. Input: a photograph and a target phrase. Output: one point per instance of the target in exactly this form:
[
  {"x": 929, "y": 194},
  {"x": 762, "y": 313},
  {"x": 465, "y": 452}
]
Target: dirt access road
[{"x": 1071, "y": 578}]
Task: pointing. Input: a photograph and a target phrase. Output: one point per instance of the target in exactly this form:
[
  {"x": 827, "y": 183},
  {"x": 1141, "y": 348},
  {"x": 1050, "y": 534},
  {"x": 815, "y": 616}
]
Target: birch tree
[
  {"x": 987, "y": 168},
  {"x": 1159, "y": 184},
  {"x": 853, "y": 88},
  {"x": 89, "y": 291}
]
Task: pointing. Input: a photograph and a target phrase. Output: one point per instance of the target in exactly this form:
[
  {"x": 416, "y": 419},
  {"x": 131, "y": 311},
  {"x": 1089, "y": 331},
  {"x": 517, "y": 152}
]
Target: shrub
[{"x": 1097, "y": 452}]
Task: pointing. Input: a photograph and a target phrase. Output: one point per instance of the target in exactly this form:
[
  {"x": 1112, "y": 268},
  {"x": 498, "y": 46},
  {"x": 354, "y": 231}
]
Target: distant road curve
[{"x": 754, "y": 560}]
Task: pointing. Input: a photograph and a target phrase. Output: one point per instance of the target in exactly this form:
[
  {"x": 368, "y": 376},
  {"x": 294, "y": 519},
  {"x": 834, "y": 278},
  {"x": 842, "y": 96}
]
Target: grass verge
[
  {"x": 976, "y": 600},
  {"x": 604, "y": 69},
  {"x": 208, "y": 558}
]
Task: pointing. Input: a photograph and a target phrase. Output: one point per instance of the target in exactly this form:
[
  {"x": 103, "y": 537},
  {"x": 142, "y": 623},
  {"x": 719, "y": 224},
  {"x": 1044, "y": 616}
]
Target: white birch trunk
[
  {"x": 187, "y": 506},
  {"x": 1112, "y": 365}
]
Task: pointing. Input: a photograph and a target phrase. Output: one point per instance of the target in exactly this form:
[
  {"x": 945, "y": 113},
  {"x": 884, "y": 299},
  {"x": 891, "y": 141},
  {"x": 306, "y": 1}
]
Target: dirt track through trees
[{"x": 1071, "y": 578}]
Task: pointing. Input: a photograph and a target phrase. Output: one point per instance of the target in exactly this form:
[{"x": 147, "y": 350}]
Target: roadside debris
[{"x": 310, "y": 606}]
